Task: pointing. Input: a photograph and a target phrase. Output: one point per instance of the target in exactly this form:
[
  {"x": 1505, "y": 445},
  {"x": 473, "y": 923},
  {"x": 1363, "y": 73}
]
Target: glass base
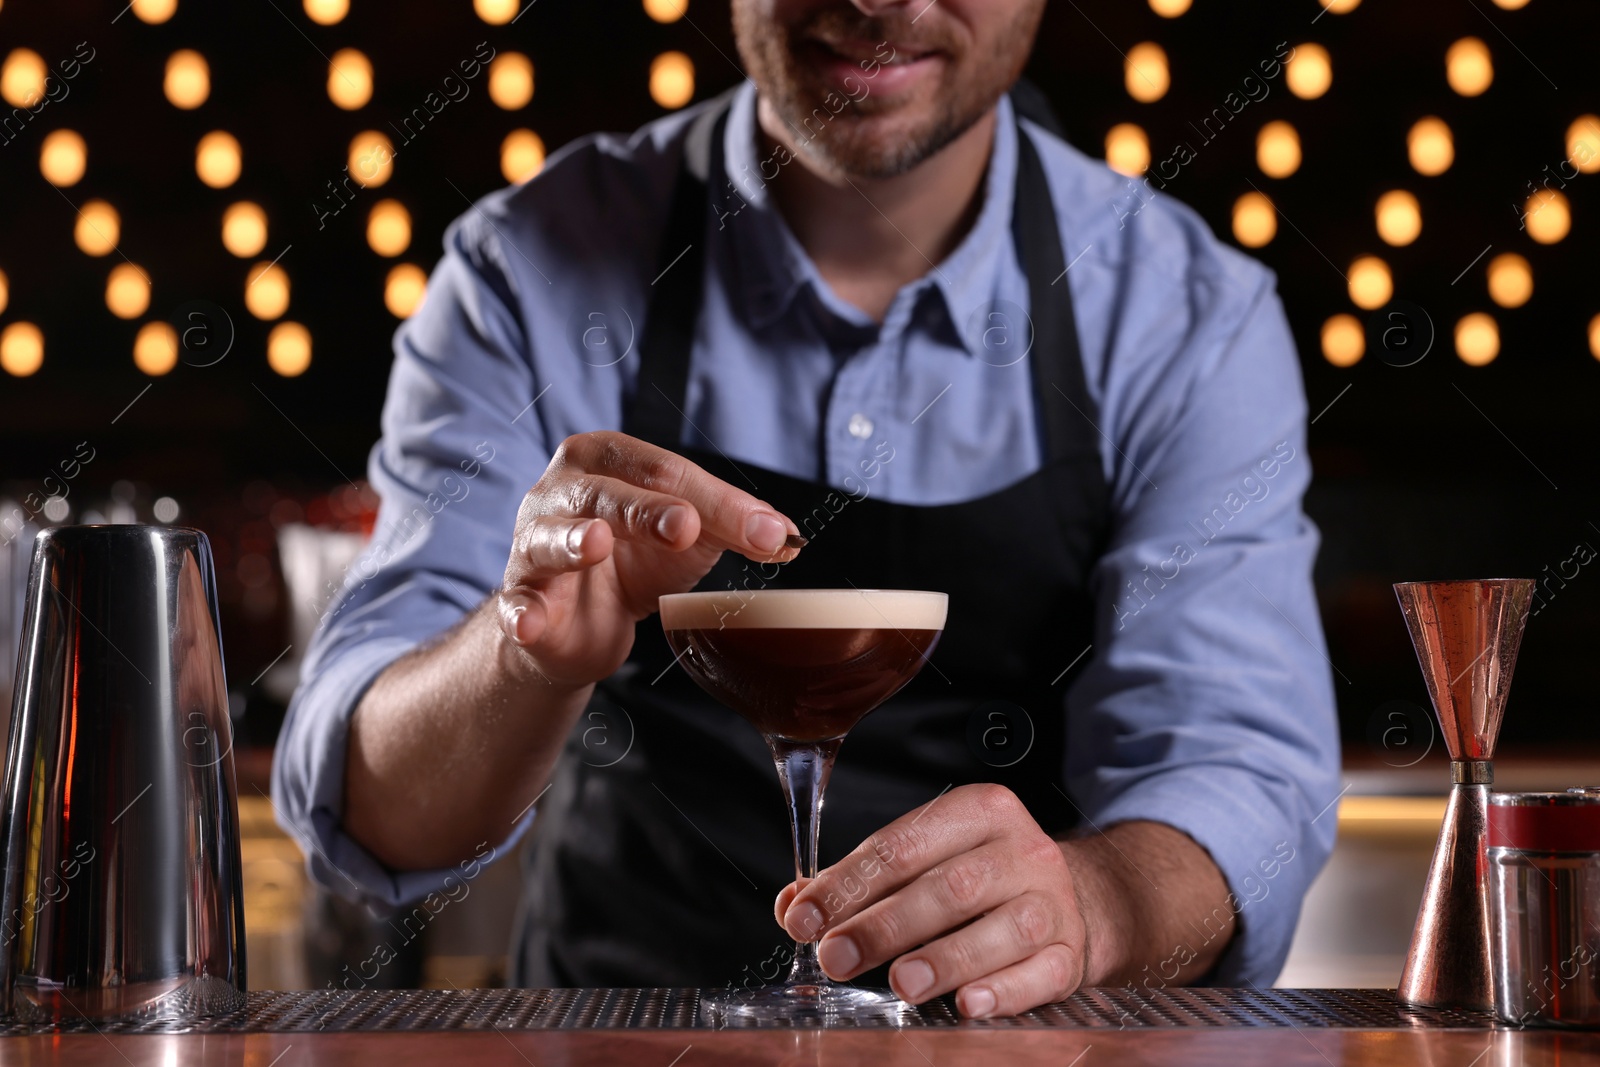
[{"x": 821, "y": 1004}]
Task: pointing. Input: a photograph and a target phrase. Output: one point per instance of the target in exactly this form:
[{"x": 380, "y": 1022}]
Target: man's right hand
[{"x": 613, "y": 524}]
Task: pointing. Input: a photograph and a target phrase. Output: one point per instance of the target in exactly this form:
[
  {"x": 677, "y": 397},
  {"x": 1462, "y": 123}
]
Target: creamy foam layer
[{"x": 805, "y": 609}]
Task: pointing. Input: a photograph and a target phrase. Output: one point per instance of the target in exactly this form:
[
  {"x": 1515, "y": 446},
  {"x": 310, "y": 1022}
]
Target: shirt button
[{"x": 860, "y": 426}]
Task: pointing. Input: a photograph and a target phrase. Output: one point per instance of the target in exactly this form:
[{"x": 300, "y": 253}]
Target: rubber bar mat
[{"x": 312, "y": 1011}]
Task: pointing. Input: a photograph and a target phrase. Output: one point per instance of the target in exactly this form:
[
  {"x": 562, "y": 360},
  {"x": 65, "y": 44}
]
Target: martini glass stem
[{"x": 803, "y": 770}]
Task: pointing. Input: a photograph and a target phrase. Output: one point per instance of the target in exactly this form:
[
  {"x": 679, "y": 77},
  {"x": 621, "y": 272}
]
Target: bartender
[{"x": 871, "y": 299}]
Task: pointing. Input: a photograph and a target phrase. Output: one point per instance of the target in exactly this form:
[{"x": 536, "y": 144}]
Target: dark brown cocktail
[{"x": 803, "y": 666}]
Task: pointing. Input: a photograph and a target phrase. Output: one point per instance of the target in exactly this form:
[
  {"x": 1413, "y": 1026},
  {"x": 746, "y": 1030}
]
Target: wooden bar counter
[{"x": 664, "y": 1028}]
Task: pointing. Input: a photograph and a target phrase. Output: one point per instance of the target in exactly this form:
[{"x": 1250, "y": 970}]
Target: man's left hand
[{"x": 968, "y": 893}]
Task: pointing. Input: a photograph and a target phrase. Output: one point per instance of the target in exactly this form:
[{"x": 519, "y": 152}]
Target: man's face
[{"x": 874, "y": 88}]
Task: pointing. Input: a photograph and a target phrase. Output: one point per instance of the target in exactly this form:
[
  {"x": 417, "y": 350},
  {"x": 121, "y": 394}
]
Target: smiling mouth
[{"x": 885, "y": 53}]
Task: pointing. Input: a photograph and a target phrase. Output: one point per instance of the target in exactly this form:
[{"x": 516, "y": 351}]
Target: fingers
[
  {"x": 952, "y": 824},
  {"x": 1053, "y": 973},
  {"x": 786, "y": 896},
  {"x": 938, "y": 901},
  {"x": 1019, "y": 930},
  {"x": 728, "y": 516}
]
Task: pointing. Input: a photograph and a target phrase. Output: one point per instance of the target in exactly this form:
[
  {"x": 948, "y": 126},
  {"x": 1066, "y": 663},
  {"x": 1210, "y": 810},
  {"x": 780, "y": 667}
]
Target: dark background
[{"x": 1427, "y": 471}]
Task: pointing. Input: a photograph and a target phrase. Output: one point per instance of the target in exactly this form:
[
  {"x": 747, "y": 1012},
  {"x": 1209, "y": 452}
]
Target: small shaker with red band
[{"x": 1544, "y": 907}]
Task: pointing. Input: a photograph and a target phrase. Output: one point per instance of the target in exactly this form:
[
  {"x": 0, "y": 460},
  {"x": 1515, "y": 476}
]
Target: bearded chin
[{"x": 862, "y": 144}]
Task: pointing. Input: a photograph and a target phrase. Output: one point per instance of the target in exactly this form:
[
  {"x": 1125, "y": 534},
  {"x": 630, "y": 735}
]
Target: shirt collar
[{"x": 771, "y": 266}]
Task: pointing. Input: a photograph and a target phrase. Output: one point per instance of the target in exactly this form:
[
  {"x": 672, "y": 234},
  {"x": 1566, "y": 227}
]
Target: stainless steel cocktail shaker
[{"x": 122, "y": 893}]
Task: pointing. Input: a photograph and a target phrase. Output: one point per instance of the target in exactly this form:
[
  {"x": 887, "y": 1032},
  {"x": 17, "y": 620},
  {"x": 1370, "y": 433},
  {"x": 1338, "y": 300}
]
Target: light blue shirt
[{"x": 1207, "y": 703}]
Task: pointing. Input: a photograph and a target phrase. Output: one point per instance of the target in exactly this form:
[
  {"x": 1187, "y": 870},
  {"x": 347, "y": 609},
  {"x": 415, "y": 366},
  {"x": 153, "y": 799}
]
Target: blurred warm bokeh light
[
  {"x": 98, "y": 228},
  {"x": 1340, "y": 7},
  {"x": 521, "y": 156},
  {"x": 218, "y": 160},
  {"x": 1343, "y": 342},
  {"x": 244, "y": 229},
  {"x": 1145, "y": 74},
  {"x": 154, "y": 12},
  {"x": 1468, "y": 68},
  {"x": 289, "y": 349},
  {"x": 1547, "y": 216},
  {"x": 371, "y": 158},
  {"x": 266, "y": 291},
  {"x": 1127, "y": 149},
  {"x": 1278, "y": 149},
  {"x": 1583, "y": 143},
  {"x": 127, "y": 291},
  {"x": 403, "y": 290},
  {"x": 1594, "y": 337},
  {"x": 63, "y": 156},
  {"x": 22, "y": 77},
  {"x": 1310, "y": 71},
  {"x": 1477, "y": 339},
  {"x": 21, "y": 349},
  {"x": 188, "y": 80},
  {"x": 1370, "y": 283},
  {"x": 327, "y": 12},
  {"x": 666, "y": 10},
  {"x": 1510, "y": 280},
  {"x": 495, "y": 12},
  {"x": 1430, "y": 146},
  {"x": 1399, "y": 217},
  {"x": 511, "y": 80},
  {"x": 1170, "y": 9},
  {"x": 671, "y": 79},
  {"x": 350, "y": 79},
  {"x": 389, "y": 228},
  {"x": 5, "y": 291},
  {"x": 1255, "y": 220},
  {"x": 155, "y": 349}
]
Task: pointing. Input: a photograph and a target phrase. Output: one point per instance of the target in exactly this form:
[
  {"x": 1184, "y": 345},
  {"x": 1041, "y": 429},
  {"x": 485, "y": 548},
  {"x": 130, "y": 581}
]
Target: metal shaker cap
[{"x": 1545, "y": 822}]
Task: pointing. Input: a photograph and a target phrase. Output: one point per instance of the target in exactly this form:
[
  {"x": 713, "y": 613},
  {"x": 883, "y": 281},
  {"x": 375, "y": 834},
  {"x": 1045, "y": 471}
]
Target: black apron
[{"x": 660, "y": 869}]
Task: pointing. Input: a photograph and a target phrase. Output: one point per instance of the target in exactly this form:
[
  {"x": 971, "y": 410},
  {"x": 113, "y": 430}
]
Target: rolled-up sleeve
[
  {"x": 462, "y": 442},
  {"x": 1208, "y": 704}
]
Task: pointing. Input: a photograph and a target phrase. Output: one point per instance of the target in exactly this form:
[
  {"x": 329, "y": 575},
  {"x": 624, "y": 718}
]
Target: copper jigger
[{"x": 1466, "y": 636}]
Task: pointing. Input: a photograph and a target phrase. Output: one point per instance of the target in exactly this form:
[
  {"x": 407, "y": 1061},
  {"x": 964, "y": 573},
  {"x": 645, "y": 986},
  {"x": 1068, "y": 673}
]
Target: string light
[
  {"x": 511, "y": 80},
  {"x": 1343, "y": 342},
  {"x": 266, "y": 291},
  {"x": 666, "y": 10},
  {"x": 521, "y": 156},
  {"x": 155, "y": 348},
  {"x": 1342, "y": 7},
  {"x": 1127, "y": 149},
  {"x": 5, "y": 291},
  {"x": 1468, "y": 68},
  {"x": 1430, "y": 146},
  {"x": 1583, "y": 143},
  {"x": 389, "y": 228},
  {"x": 22, "y": 77},
  {"x": 1255, "y": 220},
  {"x": 1170, "y": 9},
  {"x": 327, "y": 12},
  {"x": 1399, "y": 217},
  {"x": 217, "y": 159},
  {"x": 21, "y": 349},
  {"x": 1310, "y": 71},
  {"x": 349, "y": 79},
  {"x": 188, "y": 80},
  {"x": 244, "y": 229},
  {"x": 289, "y": 349},
  {"x": 154, "y": 12},
  {"x": 63, "y": 157},
  {"x": 98, "y": 228},
  {"x": 1511, "y": 5},
  {"x": 403, "y": 290},
  {"x": 1594, "y": 336},
  {"x": 1477, "y": 339},
  {"x": 495, "y": 12},
  {"x": 671, "y": 79},
  {"x": 1145, "y": 74},
  {"x": 127, "y": 291},
  {"x": 1510, "y": 280},
  {"x": 1370, "y": 283},
  {"x": 1546, "y": 216},
  {"x": 371, "y": 158},
  {"x": 1278, "y": 149}
]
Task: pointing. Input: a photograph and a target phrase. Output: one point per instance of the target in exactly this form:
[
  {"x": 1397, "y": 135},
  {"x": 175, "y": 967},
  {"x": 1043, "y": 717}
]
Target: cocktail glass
[{"x": 803, "y": 666}]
